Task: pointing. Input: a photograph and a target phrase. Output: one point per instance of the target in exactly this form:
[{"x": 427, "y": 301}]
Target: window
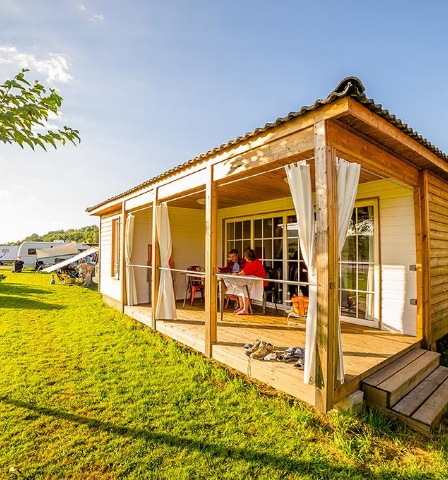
[
  {"x": 116, "y": 241},
  {"x": 275, "y": 241},
  {"x": 358, "y": 265},
  {"x": 238, "y": 235}
]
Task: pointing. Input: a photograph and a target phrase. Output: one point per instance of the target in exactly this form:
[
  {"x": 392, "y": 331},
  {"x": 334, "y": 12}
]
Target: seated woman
[{"x": 253, "y": 267}]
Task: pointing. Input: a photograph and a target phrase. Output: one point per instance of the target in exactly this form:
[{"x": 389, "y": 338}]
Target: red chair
[{"x": 194, "y": 284}]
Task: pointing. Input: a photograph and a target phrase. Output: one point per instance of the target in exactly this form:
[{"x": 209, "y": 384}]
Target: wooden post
[
  {"x": 327, "y": 269},
  {"x": 122, "y": 268},
  {"x": 155, "y": 261},
  {"x": 424, "y": 272},
  {"x": 211, "y": 297}
]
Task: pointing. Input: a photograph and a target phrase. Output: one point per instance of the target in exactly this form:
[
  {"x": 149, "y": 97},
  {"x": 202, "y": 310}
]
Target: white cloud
[
  {"x": 97, "y": 18},
  {"x": 4, "y": 194},
  {"x": 93, "y": 17},
  {"x": 55, "y": 67}
]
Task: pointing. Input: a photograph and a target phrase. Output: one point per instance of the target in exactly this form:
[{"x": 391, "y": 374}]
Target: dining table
[{"x": 254, "y": 287}]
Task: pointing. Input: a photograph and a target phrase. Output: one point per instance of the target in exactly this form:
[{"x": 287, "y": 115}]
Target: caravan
[
  {"x": 8, "y": 253},
  {"x": 47, "y": 253}
]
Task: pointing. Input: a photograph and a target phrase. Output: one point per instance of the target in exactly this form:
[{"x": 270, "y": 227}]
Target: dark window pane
[
  {"x": 349, "y": 251},
  {"x": 246, "y": 229},
  {"x": 267, "y": 227},
  {"x": 238, "y": 230},
  {"x": 258, "y": 228}
]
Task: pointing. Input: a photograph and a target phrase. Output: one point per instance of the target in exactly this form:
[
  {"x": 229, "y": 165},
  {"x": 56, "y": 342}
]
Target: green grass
[{"x": 87, "y": 393}]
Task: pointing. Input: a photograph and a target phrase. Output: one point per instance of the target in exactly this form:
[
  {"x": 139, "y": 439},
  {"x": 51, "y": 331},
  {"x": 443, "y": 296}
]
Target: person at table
[
  {"x": 253, "y": 267},
  {"x": 234, "y": 264}
]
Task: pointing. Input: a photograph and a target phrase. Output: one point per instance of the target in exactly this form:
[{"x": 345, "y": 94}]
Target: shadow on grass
[
  {"x": 27, "y": 303},
  {"x": 20, "y": 289},
  {"x": 283, "y": 462}
]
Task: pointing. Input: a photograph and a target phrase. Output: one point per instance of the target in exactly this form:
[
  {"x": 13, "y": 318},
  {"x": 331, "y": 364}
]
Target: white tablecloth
[{"x": 255, "y": 285}]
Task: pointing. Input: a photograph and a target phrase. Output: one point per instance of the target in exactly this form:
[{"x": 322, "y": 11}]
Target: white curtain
[
  {"x": 347, "y": 181},
  {"x": 299, "y": 179},
  {"x": 166, "y": 302},
  {"x": 131, "y": 290}
]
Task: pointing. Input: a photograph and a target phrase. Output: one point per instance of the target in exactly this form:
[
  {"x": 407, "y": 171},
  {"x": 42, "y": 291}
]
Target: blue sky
[{"x": 151, "y": 84}]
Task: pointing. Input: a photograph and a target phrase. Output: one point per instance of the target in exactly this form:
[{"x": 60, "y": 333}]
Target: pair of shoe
[
  {"x": 241, "y": 312},
  {"x": 251, "y": 347},
  {"x": 291, "y": 354},
  {"x": 263, "y": 351}
]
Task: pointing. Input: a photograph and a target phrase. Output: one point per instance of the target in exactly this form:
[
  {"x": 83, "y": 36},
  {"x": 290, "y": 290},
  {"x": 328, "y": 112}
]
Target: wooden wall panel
[{"x": 437, "y": 204}]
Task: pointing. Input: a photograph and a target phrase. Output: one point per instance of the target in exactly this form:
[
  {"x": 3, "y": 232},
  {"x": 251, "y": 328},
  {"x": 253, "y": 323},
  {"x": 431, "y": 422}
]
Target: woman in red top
[{"x": 253, "y": 267}]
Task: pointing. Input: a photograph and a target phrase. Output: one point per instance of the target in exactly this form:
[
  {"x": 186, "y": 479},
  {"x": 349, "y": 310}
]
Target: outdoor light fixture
[{"x": 201, "y": 201}]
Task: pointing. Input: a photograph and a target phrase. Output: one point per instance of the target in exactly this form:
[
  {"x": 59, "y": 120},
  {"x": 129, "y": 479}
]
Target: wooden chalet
[{"x": 386, "y": 289}]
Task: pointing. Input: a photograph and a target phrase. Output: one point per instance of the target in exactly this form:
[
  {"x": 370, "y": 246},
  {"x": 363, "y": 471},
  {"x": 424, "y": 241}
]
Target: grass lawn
[{"x": 87, "y": 393}]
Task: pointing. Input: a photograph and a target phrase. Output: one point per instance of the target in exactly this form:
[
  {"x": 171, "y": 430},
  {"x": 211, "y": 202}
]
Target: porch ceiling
[{"x": 253, "y": 187}]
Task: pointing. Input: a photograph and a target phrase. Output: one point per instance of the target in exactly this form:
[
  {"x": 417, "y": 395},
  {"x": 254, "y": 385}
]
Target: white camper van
[
  {"x": 48, "y": 253},
  {"x": 8, "y": 253}
]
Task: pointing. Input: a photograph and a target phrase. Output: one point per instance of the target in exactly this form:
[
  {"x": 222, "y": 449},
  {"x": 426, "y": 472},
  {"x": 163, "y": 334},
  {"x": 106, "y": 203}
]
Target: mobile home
[
  {"x": 340, "y": 197},
  {"x": 8, "y": 253},
  {"x": 48, "y": 253}
]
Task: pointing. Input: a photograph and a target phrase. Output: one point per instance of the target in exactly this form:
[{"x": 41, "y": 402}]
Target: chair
[
  {"x": 299, "y": 308},
  {"x": 272, "y": 288},
  {"x": 194, "y": 284}
]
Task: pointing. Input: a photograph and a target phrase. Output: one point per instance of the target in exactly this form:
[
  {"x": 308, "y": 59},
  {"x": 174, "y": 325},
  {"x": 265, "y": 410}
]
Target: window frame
[
  {"x": 115, "y": 247},
  {"x": 373, "y": 266}
]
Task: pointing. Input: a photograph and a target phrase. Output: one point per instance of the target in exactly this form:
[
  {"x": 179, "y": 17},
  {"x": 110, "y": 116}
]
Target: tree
[
  {"x": 25, "y": 107},
  {"x": 88, "y": 234}
]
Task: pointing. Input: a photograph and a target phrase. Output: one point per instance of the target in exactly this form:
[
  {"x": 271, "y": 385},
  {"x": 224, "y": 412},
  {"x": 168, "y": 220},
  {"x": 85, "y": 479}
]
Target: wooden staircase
[{"x": 413, "y": 388}]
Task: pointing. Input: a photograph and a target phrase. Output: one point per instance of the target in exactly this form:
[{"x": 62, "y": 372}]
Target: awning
[
  {"x": 83, "y": 254},
  {"x": 70, "y": 248}
]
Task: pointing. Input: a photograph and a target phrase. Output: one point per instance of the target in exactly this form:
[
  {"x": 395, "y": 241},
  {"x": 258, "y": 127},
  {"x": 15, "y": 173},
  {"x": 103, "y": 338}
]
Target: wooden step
[
  {"x": 389, "y": 385},
  {"x": 423, "y": 408},
  {"x": 409, "y": 404}
]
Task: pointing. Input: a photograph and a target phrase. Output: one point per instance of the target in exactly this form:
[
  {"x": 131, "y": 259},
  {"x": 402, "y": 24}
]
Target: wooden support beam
[
  {"x": 155, "y": 262},
  {"x": 122, "y": 268},
  {"x": 370, "y": 156},
  {"x": 382, "y": 125},
  {"x": 422, "y": 278},
  {"x": 327, "y": 268},
  {"x": 211, "y": 286}
]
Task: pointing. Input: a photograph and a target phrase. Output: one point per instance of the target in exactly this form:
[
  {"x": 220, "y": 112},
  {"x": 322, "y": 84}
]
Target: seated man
[{"x": 235, "y": 263}]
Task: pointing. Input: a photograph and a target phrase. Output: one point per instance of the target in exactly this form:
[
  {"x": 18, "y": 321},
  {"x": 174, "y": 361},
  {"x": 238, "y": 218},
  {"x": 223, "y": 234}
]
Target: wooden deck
[{"x": 366, "y": 349}]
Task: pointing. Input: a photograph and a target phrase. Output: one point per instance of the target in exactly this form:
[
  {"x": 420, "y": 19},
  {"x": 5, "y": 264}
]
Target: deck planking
[{"x": 364, "y": 348}]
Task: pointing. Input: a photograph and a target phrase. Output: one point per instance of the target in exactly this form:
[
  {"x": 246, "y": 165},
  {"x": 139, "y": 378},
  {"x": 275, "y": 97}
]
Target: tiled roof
[{"x": 348, "y": 87}]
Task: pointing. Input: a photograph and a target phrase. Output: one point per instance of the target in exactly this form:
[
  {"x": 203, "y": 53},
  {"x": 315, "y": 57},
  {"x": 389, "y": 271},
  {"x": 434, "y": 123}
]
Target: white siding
[
  {"x": 188, "y": 236},
  {"x": 397, "y": 247},
  {"x": 142, "y": 238},
  {"x": 109, "y": 285}
]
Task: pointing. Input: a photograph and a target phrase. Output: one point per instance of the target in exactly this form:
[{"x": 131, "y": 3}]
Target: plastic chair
[
  {"x": 272, "y": 288},
  {"x": 299, "y": 308},
  {"x": 194, "y": 284}
]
